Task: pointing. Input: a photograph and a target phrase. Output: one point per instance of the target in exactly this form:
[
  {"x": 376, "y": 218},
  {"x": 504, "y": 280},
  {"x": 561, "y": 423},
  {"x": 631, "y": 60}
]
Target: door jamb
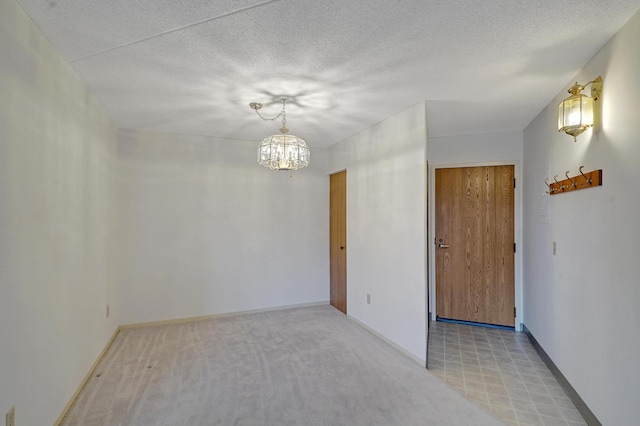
[{"x": 517, "y": 231}]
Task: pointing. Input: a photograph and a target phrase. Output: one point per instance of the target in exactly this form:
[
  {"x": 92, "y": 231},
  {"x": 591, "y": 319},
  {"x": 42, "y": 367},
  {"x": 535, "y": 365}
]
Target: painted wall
[
  {"x": 56, "y": 149},
  {"x": 386, "y": 219},
  {"x": 582, "y": 304},
  {"x": 205, "y": 230},
  {"x": 475, "y": 150}
]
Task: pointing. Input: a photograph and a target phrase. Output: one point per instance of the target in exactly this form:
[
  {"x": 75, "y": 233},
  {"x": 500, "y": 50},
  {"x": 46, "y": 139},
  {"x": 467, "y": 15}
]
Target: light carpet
[{"x": 302, "y": 366}]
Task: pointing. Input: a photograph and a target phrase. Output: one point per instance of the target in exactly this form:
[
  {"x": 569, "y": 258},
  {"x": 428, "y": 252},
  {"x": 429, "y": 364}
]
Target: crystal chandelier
[{"x": 283, "y": 151}]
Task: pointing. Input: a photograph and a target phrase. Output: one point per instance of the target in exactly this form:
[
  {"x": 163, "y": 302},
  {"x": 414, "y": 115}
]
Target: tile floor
[{"x": 500, "y": 370}]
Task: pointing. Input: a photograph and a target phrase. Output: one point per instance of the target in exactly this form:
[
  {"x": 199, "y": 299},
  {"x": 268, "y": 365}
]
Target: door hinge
[
  {"x": 514, "y": 311},
  {"x": 514, "y": 182},
  {"x": 514, "y": 247}
]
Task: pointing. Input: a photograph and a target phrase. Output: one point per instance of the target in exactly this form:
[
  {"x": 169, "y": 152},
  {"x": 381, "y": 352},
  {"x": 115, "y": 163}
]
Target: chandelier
[{"x": 282, "y": 151}]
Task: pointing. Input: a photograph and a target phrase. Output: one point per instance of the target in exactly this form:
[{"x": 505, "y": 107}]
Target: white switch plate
[{"x": 368, "y": 299}]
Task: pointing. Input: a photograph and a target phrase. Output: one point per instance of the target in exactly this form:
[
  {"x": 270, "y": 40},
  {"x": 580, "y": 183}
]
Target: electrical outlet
[
  {"x": 11, "y": 417},
  {"x": 368, "y": 299},
  {"x": 554, "y": 248},
  {"x": 107, "y": 311}
]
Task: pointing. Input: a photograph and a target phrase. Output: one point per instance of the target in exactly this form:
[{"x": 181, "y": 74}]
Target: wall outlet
[
  {"x": 368, "y": 299},
  {"x": 554, "y": 248},
  {"x": 107, "y": 311},
  {"x": 11, "y": 417}
]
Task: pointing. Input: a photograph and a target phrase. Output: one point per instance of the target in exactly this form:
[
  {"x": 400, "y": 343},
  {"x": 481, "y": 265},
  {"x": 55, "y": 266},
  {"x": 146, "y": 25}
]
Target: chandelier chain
[{"x": 282, "y": 113}]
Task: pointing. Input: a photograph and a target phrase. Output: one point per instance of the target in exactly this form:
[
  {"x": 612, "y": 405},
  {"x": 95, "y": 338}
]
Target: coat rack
[{"x": 574, "y": 183}]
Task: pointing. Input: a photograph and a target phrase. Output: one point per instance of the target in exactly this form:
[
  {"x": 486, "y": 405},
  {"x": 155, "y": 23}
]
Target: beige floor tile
[
  {"x": 480, "y": 397},
  {"x": 542, "y": 399},
  {"x": 453, "y": 381},
  {"x": 505, "y": 413},
  {"x": 556, "y": 391},
  {"x": 470, "y": 362},
  {"x": 571, "y": 415},
  {"x": 473, "y": 377},
  {"x": 499, "y": 400},
  {"x": 496, "y": 389},
  {"x": 513, "y": 383},
  {"x": 528, "y": 418},
  {"x": 491, "y": 372},
  {"x": 493, "y": 380},
  {"x": 475, "y": 386},
  {"x": 552, "y": 421},
  {"x": 549, "y": 410},
  {"x": 522, "y": 405},
  {"x": 532, "y": 378},
  {"x": 536, "y": 388},
  {"x": 564, "y": 402}
]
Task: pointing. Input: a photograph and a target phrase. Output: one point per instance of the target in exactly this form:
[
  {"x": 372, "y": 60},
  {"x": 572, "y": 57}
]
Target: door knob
[{"x": 341, "y": 247}]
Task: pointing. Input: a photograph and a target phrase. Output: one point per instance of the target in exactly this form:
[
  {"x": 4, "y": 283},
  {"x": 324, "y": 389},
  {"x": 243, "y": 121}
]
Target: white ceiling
[{"x": 192, "y": 66}]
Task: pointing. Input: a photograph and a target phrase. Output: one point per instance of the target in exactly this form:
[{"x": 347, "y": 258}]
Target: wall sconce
[{"x": 575, "y": 113}]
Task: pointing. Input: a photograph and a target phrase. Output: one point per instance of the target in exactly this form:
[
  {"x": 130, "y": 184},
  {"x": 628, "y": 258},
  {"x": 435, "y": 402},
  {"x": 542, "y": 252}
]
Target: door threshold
[{"x": 476, "y": 324}]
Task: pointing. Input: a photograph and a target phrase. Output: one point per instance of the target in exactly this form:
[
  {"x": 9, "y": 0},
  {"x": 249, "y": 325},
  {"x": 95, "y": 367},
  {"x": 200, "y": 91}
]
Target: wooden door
[
  {"x": 475, "y": 244},
  {"x": 338, "y": 240}
]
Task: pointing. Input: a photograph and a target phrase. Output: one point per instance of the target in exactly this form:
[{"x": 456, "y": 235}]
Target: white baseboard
[
  {"x": 67, "y": 407},
  {"x": 226, "y": 314},
  {"x": 422, "y": 362}
]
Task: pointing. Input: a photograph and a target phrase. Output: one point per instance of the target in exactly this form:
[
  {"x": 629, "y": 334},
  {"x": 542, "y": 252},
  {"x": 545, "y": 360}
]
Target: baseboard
[
  {"x": 67, "y": 407},
  {"x": 581, "y": 406},
  {"x": 213, "y": 316},
  {"x": 422, "y": 362}
]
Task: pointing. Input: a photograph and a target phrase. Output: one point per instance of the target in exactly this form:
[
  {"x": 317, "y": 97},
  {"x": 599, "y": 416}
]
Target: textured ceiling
[{"x": 192, "y": 66}]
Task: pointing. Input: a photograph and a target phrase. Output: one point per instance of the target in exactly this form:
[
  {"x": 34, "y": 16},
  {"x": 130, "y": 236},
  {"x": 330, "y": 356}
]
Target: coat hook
[
  {"x": 546, "y": 182},
  {"x": 561, "y": 186},
  {"x": 574, "y": 184},
  {"x": 587, "y": 181}
]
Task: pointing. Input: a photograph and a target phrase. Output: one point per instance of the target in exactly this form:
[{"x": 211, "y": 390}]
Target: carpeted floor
[{"x": 303, "y": 366}]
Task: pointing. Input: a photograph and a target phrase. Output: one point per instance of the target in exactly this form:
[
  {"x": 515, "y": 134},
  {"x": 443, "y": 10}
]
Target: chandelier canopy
[{"x": 281, "y": 151}]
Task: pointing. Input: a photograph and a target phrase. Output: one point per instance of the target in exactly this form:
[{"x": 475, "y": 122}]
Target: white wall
[
  {"x": 504, "y": 148},
  {"x": 476, "y": 150},
  {"x": 386, "y": 220},
  {"x": 582, "y": 304},
  {"x": 56, "y": 147},
  {"x": 207, "y": 231}
]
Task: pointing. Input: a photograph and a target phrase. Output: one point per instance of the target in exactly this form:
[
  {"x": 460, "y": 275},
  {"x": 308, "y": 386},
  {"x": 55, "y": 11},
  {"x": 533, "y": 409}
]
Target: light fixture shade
[
  {"x": 283, "y": 152},
  {"x": 575, "y": 114}
]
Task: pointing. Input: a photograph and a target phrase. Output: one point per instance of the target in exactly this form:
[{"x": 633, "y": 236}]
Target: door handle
[
  {"x": 341, "y": 247},
  {"x": 443, "y": 245}
]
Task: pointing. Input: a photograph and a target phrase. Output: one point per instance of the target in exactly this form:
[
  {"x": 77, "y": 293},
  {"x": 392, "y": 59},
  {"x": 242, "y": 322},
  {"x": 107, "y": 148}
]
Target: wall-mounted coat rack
[{"x": 574, "y": 183}]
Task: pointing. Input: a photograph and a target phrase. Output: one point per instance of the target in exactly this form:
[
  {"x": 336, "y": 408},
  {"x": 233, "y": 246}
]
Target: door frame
[{"x": 517, "y": 232}]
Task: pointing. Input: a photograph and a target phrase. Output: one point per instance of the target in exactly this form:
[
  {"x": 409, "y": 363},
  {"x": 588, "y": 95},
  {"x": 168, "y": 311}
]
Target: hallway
[{"x": 500, "y": 370}]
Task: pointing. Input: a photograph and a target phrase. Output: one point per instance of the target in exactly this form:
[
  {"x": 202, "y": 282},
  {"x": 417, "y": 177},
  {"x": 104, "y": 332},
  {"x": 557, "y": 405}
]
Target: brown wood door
[
  {"x": 475, "y": 244},
  {"x": 338, "y": 240}
]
